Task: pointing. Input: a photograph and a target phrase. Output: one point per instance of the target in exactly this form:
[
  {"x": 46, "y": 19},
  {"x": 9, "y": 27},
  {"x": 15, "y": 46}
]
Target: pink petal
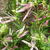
[
  {"x": 26, "y": 7},
  {"x": 4, "y": 48},
  {"x": 15, "y": 47},
  {"x": 44, "y": 16},
  {"x": 23, "y": 34},
  {"x": 46, "y": 22},
  {"x": 24, "y": 4},
  {"x": 9, "y": 38},
  {"x": 40, "y": 19},
  {"x": 35, "y": 17}
]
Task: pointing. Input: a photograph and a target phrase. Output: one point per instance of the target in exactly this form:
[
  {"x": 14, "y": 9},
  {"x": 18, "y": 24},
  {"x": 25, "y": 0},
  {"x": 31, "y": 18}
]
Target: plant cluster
[{"x": 28, "y": 28}]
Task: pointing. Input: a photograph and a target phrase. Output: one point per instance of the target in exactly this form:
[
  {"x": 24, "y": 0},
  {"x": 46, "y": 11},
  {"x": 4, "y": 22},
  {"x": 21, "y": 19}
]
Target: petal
[
  {"x": 4, "y": 48},
  {"x": 23, "y": 34},
  {"x": 44, "y": 16},
  {"x": 15, "y": 47},
  {"x": 26, "y": 7}
]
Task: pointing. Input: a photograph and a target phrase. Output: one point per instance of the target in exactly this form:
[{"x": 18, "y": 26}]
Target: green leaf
[
  {"x": 44, "y": 19},
  {"x": 49, "y": 7}
]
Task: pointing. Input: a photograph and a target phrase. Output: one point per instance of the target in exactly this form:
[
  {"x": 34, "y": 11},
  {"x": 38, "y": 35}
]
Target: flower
[
  {"x": 9, "y": 38},
  {"x": 40, "y": 19},
  {"x": 26, "y": 7},
  {"x": 34, "y": 17},
  {"x": 15, "y": 47},
  {"x": 44, "y": 16},
  {"x": 46, "y": 22},
  {"x": 4, "y": 48}
]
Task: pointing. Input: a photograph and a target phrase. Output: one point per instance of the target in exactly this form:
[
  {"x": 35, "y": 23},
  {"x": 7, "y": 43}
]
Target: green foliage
[{"x": 17, "y": 30}]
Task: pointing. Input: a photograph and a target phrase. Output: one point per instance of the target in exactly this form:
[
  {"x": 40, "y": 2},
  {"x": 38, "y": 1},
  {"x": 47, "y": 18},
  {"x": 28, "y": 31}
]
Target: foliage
[{"x": 30, "y": 28}]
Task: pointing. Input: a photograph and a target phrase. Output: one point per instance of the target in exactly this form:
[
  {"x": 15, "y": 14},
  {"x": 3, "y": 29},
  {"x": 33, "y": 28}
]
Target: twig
[
  {"x": 7, "y": 21},
  {"x": 29, "y": 44},
  {"x": 32, "y": 44},
  {"x": 6, "y": 17},
  {"x": 26, "y": 14},
  {"x": 33, "y": 48}
]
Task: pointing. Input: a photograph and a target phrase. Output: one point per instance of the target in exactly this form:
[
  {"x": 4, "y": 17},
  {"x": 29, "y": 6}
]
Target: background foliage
[{"x": 29, "y": 28}]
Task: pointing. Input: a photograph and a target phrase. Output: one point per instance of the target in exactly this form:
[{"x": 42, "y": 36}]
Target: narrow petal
[
  {"x": 40, "y": 19},
  {"x": 27, "y": 43},
  {"x": 15, "y": 47},
  {"x": 26, "y": 14},
  {"x": 23, "y": 34},
  {"x": 44, "y": 16},
  {"x": 9, "y": 38},
  {"x": 26, "y": 7},
  {"x": 4, "y": 48}
]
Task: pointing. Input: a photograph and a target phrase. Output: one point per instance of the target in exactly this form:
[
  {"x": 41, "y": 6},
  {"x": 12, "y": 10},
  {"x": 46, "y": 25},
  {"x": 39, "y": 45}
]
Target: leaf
[
  {"x": 3, "y": 29},
  {"x": 21, "y": 31},
  {"x": 39, "y": 1},
  {"x": 49, "y": 7},
  {"x": 44, "y": 19}
]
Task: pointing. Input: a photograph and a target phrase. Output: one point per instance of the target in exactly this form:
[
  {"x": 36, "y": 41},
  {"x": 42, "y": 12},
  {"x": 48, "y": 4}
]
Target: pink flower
[
  {"x": 22, "y": 35},
  {"x": 46, "y": 22},
  {"x": 26, "y": 7},
  {"x": 32, "y": 20},
  {"x": 44, "y": 16},
  {"x": 9, "y": 38},
  {"x": 40, "y": 19},
  {"x": 4, "y": 48},
  {"x": 34, "y": 17},
  {"x": 28, "y": 4},
  {"x": 15, "y": 47}
]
